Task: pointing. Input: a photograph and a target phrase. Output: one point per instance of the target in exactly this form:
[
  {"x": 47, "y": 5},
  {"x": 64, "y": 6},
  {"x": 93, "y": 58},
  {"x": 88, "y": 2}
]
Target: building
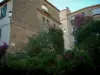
[
  {"x": 21, "y": 19},
  {"x": 65, "y": 27},
  {"x": 66, "y": 17}
]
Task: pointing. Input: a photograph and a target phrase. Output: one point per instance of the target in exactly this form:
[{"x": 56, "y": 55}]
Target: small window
[
  {"x": 75, "y": 40},
  {"x": 47, "y": 21},
  {"x": 44, "y": 7},
  {"x": 0, "y": 32},
  {"x": 74, "y": 28},
  {"x": 83, "y": 15},
  {"x": 43, "y": 20},
  {"x": 54, "y": 25},
  {"x": 3, "y": 11},
  {"x": 96, "y": 11},
  {"x": 72, "y": 17}
]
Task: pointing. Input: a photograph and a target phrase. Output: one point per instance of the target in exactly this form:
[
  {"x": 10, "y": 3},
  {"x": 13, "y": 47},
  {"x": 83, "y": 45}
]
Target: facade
[
  {"x": 65, "y": 27},
  {"x": 29, "y": 17},
  {"x": 66, "y": 17}
]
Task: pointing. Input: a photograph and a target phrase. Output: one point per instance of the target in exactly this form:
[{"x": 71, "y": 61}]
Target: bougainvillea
[
  {"x": 3, "y": 49},
  {"x": 79, "y": 21}
]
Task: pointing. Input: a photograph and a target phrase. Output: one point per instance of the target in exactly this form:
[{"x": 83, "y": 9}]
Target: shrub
[
  {"x": 56, "y": 37},
  {"x": 3, "y": 49},
  {"x": 39, "y": 43},
  {"x": 46, "y": 41},
  {"x": 46, "y": 61}
]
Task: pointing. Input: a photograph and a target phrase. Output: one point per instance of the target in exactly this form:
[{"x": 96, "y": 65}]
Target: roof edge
[
  {"x": 84, "y": 8},
  {"x": 52, "y": 5}
]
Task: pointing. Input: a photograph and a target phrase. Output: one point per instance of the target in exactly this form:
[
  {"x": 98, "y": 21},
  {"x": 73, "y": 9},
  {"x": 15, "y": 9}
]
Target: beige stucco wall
[{"x": 66, "y": 28}]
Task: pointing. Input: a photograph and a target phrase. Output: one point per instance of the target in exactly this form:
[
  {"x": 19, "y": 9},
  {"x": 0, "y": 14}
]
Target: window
[
  {"x": 83, "y": 15},
  {"x": 47, "y": 22},
  {"x": 96, "y": 11},
  {"x": 75, "y": 40},
  {"x": 54, "y": 25},
  {"x": 43, "y": 20},
  {"x": 0, "y": 32},
  {"x": 73, "y": 17},
  {"x": 44, "y": 7},
  {"x": 74, "y": 28},
  {"x": 3, "y": 11}
]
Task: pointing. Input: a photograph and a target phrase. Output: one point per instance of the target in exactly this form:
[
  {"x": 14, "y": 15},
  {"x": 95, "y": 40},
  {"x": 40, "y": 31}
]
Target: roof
[
  {"x": 52, "y": 5},
  {"x": 85, "y": 8}
]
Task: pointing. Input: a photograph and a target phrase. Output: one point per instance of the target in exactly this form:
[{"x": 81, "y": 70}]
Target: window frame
[{"x": 3, "y": 11}]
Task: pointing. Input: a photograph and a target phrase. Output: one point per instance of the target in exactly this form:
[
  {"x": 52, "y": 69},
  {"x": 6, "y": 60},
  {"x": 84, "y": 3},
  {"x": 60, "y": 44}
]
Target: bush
[
  {"x": 39, "y": 43},
  {"x": 3, "y": 49},
  {"x": 45, "y": 56},
  {"x": 46, "y": 41},
  {"x": 47, "y": 62},
  {"x": 88, "y": 38},
  {"x": 56, "y": 37}
]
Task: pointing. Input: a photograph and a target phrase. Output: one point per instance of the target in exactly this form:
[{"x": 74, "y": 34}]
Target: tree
[
  {"x": 79, "y": 20},
  {"x": 57, "y": 40},
  {"x": 88, "y": 36},
  {"x": 53, "y": 40}
]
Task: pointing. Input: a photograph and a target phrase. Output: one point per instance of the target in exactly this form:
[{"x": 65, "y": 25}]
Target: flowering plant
[{"x": 3, "y": 49}]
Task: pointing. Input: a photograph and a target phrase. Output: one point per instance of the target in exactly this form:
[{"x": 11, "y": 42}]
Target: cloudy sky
[{"x": 73, "y": 4}]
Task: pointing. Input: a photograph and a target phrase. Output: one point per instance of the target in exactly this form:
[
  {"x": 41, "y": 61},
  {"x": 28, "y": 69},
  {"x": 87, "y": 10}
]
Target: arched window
[
  {"x": 83, "y": 15},
  {"x": 44, "y": 7}
]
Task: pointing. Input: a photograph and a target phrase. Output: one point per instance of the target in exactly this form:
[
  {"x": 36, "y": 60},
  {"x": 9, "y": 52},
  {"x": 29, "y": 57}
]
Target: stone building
[
  {"x": 66, "y": 17},
  {"x": 21, "y": 19}
]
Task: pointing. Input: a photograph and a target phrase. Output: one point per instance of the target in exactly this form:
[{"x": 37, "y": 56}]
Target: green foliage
[
  {"x": 46, "y": 41},
  {"x": 47, "y": 61},
  {"x": 88, "y": 38},
  {"x": 88, "y": 35},
  {"x": 57, "y": 40},
  {"x": 44, "y": 52},
  {"x": 39, "y": 43}
]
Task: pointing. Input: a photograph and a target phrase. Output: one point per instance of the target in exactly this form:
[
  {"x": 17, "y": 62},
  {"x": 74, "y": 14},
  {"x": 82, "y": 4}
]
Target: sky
[
  {"x": 73, "y": 5},
  {"x": 1, "y": 0}
]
